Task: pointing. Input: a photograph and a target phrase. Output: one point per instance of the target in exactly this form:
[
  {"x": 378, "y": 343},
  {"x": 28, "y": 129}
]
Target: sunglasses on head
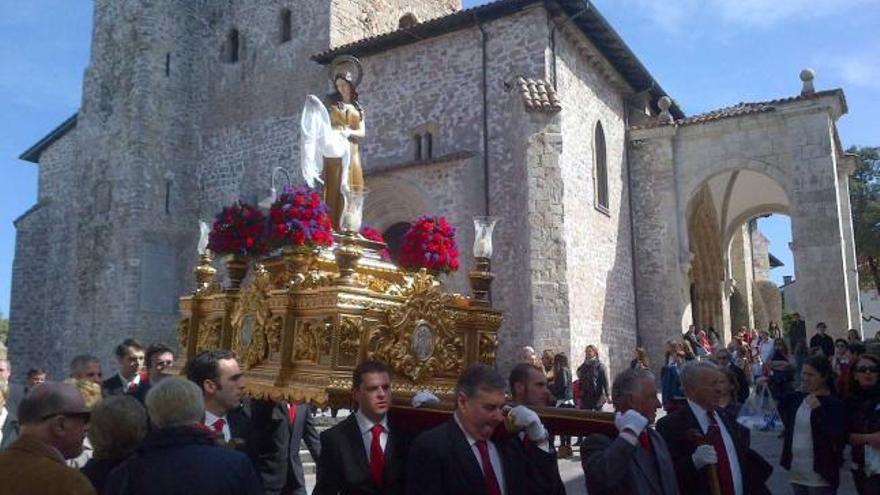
[{"x": 868, "y": 369}]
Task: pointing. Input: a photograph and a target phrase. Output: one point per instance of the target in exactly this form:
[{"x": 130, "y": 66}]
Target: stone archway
[
  {"x": 707, "y": 268},
  {"x": 393, "y": 200}
]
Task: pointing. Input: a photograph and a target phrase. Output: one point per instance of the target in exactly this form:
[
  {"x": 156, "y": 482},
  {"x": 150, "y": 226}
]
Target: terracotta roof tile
[{"x": 538, "y": 95}]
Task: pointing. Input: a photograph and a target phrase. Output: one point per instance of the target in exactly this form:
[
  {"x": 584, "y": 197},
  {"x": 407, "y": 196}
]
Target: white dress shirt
[
  {"x": 127, "y": 383},
  {"x": 366, "y": 427},
  {"x": 703, "y": 419},
  {"x": 211, "y": 418},
  {"x": 494, "y": 456},
  {"x": 802, "y": 471},
  {"x": 4, "y": 415}
]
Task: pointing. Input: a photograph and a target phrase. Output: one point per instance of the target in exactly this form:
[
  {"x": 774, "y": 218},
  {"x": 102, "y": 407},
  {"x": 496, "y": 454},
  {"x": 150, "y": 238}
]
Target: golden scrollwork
[
  {"x": 183, "y": 335},
  {"x": 310, "y": 280},
  {"x": 252, "y": 321},
  {"x": 420, "y": 340},
  {"x": 380, "y": 285},
  {"x": 309, "y": 340},
  {"x": 349, "y": 334}
]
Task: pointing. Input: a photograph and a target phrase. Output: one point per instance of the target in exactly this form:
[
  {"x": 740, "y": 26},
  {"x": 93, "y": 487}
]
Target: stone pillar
[{"x": 846, "y": 166}]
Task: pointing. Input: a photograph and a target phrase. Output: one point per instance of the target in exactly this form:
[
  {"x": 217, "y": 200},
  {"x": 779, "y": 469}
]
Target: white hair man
[
  {"x": 637, "y": 461},
  {"x": 180, "y": 444}
]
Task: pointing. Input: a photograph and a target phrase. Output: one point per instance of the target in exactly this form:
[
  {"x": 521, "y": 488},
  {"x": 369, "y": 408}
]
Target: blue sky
[{"x": 706, "y": 54}]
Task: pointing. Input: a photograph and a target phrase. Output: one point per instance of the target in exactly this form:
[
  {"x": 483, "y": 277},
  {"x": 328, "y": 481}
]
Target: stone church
[{"x": 622, "y": 220}]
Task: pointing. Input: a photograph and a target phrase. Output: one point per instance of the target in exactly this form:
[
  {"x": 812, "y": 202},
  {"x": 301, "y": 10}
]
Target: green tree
[
  {"x": 864, "y": 192},
  {"x": 4, "y": 327}
]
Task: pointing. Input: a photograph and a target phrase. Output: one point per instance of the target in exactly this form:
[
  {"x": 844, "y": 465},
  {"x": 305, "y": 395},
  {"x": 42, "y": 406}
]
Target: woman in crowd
[
  {"x": 670, "y": 381},
  {"x": 561, "y": 389},
  {"x": 705, "y": 343},
  {"x": 773, "y": 330},
  {"x": 815, "y": 431},
  {"x": 640, "y": 359},
  {"x": 116, "y": 428},
  {"x": 779, "y": 370},
  {"x": 863, "y": 408},
  {"x": 853, "y": 335},
  {"x": 593, "y": 380}
]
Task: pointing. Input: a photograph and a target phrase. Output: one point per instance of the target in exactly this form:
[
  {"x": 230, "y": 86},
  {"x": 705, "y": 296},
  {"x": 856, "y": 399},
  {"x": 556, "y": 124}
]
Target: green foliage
[
  {"x": 4, "y": 328},
  {"x": 864, "y": 192}
]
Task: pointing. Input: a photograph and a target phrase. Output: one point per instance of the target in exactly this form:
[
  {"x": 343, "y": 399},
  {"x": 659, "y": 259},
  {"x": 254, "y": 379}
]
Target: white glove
[
  {"x": 631, "y": 420},
  {"x": 528, "y": 420},
  {"x": 424, "y": 398},
  {"x": 703, "y": 456}
]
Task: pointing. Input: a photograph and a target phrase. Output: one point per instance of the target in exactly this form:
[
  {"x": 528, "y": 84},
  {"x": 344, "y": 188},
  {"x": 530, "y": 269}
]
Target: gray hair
[
  {"x": 629, "y": 382},
  {"x": 175, "y": 402},
  {"x": 82, "y": 360},
  {"x": 692, "y": 371},
  {"x": 117, "y": 426}
]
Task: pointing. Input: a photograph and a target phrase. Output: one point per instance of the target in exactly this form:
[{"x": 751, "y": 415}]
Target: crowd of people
[{"x": 151, "y": 428}]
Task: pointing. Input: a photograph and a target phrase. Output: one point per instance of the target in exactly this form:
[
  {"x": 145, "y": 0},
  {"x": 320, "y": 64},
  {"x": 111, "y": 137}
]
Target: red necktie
[
  {"x": 492, "y": 487},
  {"x": 645, "y": 441},
  {"x": 132, "y": 387},
  {"x": 725, "y": 475},
  {"x": 218, "y": 426},
  {"x": 291, "y": 412},
  {"x": 377, "y": 457}
]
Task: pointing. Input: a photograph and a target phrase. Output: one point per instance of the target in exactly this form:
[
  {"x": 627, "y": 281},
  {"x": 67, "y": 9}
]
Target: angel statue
[{"x": 330, "y": 136}]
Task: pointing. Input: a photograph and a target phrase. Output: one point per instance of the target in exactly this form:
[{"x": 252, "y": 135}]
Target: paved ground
[{"x": 766, "y": 444}]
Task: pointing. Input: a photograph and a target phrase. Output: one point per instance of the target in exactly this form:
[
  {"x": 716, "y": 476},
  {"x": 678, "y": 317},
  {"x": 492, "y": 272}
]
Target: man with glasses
[
  {"x": 722, "y": 359},
  {"x": 159, "y": 360},
  {"x": 53, "y": 419}
]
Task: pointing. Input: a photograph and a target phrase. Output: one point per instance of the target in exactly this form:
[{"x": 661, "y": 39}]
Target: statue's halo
[{"x": 346, "y": 63}]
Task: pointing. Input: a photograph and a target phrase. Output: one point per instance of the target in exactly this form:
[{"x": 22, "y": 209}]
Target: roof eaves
[{"x": 33, "y": 153}]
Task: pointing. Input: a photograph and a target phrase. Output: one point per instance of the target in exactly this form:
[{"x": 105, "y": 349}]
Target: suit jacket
[
  {"x": 674, "y": 428},
  {"x": 114, "y": 386},
  {"x": 441, "y": 462},
  {"x": 742, "y": 393},
  {"x": 17, "y": 392},
  {"x": 615, "y": 467},
  {"x": 829, "y": 433},
  {"x": 28, "y": 466},
  {"x": 343, "y": 467},
  {"x": 10, "y": 430}
]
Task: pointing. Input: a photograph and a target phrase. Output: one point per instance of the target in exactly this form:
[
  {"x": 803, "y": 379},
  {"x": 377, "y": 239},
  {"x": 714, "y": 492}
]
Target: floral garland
[
  {"x": 373, "y": 234},
  {"x": 430, "y": 243},
  {"x": 238, "y": 229},
  {"x": 299, "y": 218}
]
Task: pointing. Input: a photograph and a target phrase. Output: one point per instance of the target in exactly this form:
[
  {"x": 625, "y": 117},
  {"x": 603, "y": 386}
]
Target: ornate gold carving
[
  {"x": 380, "y": 285},
  {"x": 487, "y": 346},
  {"x": 209, "y": 335},
  {"x": 183, "y": 335},
  {"x": 310, "y": 280},
  {"x": 424, "y": 311},
  {"x": 311, "y": 339},
  {"x": 349, "y": 346},
  {"x": 252, "y": 322}
]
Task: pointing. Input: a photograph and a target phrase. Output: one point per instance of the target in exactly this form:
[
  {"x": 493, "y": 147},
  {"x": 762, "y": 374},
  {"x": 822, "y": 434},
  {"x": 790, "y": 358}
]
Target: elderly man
[
  {"x": 180, "y": 456},
  {"x": 637, "y": 461},
  {"x": 462, "y": 457},
  {"x": 86, "y": 367},
  {"x": 53, "y": 421},
  {"x": 701, "y": 440}
]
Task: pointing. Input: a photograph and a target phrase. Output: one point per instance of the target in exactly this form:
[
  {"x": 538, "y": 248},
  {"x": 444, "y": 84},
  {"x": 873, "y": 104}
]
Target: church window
[
  {"x": 600, "y": 172},
  {"x": 286, "y": 25},
  {"x": 429, "y": 146},
  {"x": 232, "y": 46},
  {"x": 417, "y": 146},
  {"x": 394, "y": 238}
]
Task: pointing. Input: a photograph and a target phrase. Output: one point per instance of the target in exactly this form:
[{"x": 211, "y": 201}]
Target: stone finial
[
  {"x": 807, "y": 76},
  {"x": 665, "y": 103}
]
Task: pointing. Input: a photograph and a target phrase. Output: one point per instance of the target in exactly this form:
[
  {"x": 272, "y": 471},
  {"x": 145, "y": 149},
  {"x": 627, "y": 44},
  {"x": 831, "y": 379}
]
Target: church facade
[{"x": 617, "y": 211}]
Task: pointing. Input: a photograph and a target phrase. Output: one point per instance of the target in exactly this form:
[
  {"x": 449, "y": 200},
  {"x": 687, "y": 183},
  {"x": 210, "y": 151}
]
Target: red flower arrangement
[
  {"x": 299, "y": 218},
  {"x": 430, "y": 243},
  {"x": 373, "y": 234},
  {"x": 238, "y": 229}
]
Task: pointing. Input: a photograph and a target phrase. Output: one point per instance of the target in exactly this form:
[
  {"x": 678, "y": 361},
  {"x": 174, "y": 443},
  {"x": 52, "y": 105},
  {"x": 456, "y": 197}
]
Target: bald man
[{"x": 53, "y": 419}]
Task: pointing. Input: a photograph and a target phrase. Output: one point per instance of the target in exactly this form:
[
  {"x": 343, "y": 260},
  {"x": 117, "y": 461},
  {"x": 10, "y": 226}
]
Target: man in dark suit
[
  {"x": 701, "y": 439},
  {"x": 722, "y": 358},
  {"x": 362, "y": 454},
  {"x": 289, "y": 424},
  {"x": 130, "y": 362},
  {"x": 461, "y": 457},
  {"x": 637, "y": 461},
  {"x": 241, "y": 424},
  {"x": 159, "y": 359}
]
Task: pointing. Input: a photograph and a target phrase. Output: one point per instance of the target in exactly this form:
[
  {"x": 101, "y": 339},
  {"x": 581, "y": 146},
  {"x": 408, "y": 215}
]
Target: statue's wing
[{"x": 314, "y": 124}]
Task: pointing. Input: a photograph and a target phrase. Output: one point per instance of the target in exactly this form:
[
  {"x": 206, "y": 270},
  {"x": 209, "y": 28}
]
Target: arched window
[
  {"x": 394, "y": 238},
  {"x": 286, "y": 20},
  {"x": 429, "y": 146},
  {"x": 417, "y": 146},
  {"x": 600, "y": 171},
  {"x": 232, "y": 46},
  {"x": 407, "y": 21}
]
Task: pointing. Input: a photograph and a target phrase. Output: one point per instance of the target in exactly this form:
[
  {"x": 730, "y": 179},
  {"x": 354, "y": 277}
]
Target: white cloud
[{"x": 859, "y": 69}]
